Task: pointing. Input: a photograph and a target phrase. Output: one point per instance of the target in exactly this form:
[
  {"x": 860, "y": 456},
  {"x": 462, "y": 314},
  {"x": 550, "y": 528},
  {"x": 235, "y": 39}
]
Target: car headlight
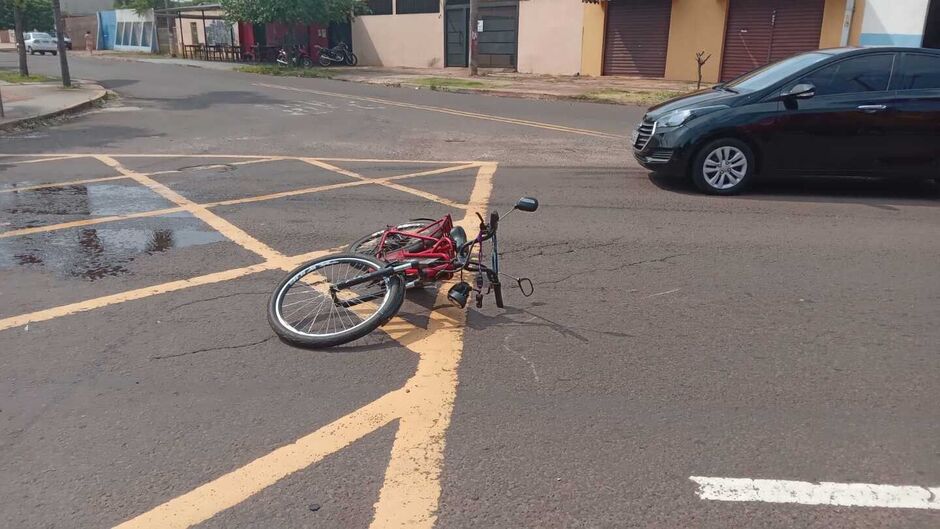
[{"x": 677, "y": 118}]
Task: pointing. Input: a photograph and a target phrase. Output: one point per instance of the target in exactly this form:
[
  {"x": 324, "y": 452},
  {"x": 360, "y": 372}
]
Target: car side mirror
[
  {"x": 529, "y": 204},
  {"x": 800, "y": 91}
]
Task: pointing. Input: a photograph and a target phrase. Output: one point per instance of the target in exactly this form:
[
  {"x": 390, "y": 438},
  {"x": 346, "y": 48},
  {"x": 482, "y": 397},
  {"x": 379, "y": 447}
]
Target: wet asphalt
[{"x": 790, "y": 333}]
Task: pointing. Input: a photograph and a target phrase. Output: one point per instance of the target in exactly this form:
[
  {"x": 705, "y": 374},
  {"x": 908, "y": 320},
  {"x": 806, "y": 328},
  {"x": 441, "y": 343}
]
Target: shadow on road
[
  {"x": 869, "y": 191},
  {"x": 210, "y": 99},
  {"x": 117, "y": 83}
]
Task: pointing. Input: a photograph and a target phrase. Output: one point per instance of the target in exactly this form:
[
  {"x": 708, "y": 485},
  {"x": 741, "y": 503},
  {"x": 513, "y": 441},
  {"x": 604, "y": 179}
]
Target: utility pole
[
  {"x": 20, "y": 41},
  {"x": 60, "y": 40},
  {"x": 474, "y": 13}
]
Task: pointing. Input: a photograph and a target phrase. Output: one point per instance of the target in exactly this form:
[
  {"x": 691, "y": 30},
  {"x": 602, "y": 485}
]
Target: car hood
[{"x": 702, "y": 98}]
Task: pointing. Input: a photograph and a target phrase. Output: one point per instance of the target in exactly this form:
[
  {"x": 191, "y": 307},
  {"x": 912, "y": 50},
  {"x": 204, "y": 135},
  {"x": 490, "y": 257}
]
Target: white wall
[
  {"x": 415, "y": 41},
  {"x": 894, "y": 22},
  {"x": 550, "y": 36}
]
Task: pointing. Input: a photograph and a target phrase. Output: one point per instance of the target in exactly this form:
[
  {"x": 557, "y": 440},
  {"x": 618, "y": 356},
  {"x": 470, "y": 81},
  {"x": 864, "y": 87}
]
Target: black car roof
[{"x": 873, "y": 49}]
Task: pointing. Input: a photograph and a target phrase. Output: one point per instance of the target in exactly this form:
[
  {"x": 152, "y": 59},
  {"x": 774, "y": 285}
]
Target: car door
[
  {"x": 841, "y": 129},
  {"x": 915, "y": 136}
]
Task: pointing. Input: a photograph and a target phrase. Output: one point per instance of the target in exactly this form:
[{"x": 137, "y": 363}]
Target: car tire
[
  {"x": 724, "y": 167},
  {"x": 30, "y": 51},
  {"x": 54, "y": 53}
]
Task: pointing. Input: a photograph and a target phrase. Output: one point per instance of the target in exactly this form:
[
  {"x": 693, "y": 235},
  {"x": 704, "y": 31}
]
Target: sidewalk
[
  {"x": 24, "y": 102},
  {"x": 623, "y": 90}
]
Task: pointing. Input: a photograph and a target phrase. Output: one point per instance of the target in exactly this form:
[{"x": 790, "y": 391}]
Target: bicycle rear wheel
[
  {"x": 303, "y": 311},
  {"x": 369, "y": 245}
]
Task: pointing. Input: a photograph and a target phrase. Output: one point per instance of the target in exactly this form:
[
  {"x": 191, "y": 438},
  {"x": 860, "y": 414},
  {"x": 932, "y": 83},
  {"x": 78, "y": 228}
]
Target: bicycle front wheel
[{"x": 304, "y": 310}]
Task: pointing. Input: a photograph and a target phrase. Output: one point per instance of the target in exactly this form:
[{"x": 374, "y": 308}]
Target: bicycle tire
[
  {"x": 380, "y": 312},
  {"x": 415, "y": 224}
]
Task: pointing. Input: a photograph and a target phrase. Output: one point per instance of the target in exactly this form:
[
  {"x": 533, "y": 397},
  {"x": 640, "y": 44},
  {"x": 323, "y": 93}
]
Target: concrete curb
[
  {"x": 99, "y": 94},
  {"x": 495, "y": 92}
]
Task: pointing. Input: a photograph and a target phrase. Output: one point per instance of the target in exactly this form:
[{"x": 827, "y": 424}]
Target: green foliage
[
  {"x": 37, "y": 14},
  {"x": 293, "y": 11}
]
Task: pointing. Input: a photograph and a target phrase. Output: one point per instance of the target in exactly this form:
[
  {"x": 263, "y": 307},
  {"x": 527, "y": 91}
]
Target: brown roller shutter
[
  {"x": 637, "y": 35},
  {"x": 763, "y": 31}
]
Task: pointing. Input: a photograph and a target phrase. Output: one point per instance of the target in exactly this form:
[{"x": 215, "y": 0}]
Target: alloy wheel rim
[{"x": 725, "y": 167}]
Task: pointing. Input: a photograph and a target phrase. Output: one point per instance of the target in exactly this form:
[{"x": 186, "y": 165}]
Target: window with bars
[
  {"x": 379, "y": 7},
  {"x": 418, "y": 6}
]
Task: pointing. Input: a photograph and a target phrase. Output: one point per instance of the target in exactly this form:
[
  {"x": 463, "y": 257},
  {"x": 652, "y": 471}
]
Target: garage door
[
  {"x": 764, "y": 31},
  {"x": 637, "y": 35}
]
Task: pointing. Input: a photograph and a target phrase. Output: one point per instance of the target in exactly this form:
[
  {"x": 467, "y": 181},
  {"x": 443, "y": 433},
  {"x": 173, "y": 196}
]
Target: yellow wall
[
  {"x": 550, "y": 25},
  {"x": 855, "y": 31},
  {"x": 592, "y": 39},
  {"x": 696, "y": 25},
  {"x": 414, "y": 40},
  {"x": 833, "y": 18}
]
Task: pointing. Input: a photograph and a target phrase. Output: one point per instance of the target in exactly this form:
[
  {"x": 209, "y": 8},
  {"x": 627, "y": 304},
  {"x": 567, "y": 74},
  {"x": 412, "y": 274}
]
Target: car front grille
[{"x": 644, "y": 133}]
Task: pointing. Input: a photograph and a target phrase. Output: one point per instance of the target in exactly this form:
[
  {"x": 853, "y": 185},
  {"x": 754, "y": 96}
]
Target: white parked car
[{"x": 40, "y": 43}]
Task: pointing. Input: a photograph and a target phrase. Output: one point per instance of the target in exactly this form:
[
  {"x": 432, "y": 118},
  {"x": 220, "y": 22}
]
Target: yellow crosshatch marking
[{"x": 423, "y": 406}]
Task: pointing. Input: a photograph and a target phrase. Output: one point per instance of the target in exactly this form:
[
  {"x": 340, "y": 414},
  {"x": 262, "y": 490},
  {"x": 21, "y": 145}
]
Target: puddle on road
[
  {"x": 52, "y": 205},
  {"x": 96, "y": 252}
]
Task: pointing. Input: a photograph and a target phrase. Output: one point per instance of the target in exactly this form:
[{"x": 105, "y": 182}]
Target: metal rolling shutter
[
  {"x": 637, "y": 35},
  {"x": 763, "y": 31}
]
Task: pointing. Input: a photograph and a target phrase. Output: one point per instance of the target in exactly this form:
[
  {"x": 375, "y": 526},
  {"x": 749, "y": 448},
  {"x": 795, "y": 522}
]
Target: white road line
[{"x": 822, "y": 493}]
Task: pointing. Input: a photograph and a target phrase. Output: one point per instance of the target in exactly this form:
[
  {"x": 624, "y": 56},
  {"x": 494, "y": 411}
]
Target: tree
[
  {"x": 292, "y": 11},
  {"x": 37, "y": 14},
  {"x": 60, "y": 40},
  {"x": 25, "y": 15}
]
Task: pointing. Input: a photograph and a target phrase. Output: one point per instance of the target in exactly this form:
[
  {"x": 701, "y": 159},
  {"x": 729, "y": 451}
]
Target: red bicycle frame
[{"x": 432, "y": 243}]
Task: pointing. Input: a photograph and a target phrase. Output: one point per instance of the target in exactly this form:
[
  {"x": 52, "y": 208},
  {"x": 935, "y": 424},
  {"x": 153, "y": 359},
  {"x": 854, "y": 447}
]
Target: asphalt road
[{"x": 788, "y": 334}]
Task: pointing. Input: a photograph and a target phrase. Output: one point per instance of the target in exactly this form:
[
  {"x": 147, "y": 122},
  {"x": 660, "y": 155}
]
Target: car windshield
[{"x": 773, "y": 73}]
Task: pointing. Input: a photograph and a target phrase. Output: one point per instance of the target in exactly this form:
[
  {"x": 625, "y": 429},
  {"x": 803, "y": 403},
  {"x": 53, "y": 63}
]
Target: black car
[{"x": 846, "y": 111}]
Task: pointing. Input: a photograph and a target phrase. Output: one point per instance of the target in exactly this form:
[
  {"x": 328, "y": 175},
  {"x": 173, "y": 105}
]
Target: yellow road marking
[
  {"x": 118, "y": 177},
  {"x": 385, "y": 183},
  {"x": 226, "y": 228},
  {"x": 411, "y": 490},
  {"x": 230, "y": 202},
  {"x": 163, "y": 288},
  {"x": 246, "y": 156},
  {"x": 88, "y": 222},
  {"x": 229, "y": 490},
  {"x": 443, "y": 110},
  {"x": 62, "y": 184},
  {"x": 46, "y": 159}
]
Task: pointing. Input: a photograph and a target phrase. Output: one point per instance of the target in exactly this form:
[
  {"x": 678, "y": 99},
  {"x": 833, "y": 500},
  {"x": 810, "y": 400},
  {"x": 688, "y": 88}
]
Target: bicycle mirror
[{"x": 529, "y": 204}]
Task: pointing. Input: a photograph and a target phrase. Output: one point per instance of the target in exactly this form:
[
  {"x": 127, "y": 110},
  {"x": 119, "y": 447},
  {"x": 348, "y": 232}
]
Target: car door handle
[{"x": 871, "y": 109}]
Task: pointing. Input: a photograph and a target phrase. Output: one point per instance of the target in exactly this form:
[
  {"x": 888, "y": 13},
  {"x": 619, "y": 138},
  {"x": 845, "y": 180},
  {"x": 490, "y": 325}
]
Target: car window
[
  {"x": 919, "y": 72},
  {"x": 869, "y": 73},
  {"x": 776, "y": 72}
]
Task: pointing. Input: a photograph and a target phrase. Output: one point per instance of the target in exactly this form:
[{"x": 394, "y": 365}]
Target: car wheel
[
  {"x": 54, "y": 52},
  {"x": 30, "y": 51},
  {"x": 724, "y": 167}
]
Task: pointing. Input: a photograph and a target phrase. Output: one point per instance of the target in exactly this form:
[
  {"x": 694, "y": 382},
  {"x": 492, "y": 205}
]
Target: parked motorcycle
[
  {"x": 297, "y": 57},
  {"x": 339, "y": 54}
]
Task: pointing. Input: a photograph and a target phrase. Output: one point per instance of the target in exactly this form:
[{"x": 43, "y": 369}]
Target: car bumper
[
  {"x": 665, "y": 152},
  {"x": 42, "y": 47}
]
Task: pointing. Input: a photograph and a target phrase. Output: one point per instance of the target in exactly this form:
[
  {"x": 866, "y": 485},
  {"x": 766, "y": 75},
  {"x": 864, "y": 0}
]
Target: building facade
[{"x": 647, "y": 38}]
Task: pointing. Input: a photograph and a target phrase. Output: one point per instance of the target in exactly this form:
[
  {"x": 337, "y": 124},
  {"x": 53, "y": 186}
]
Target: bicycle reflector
[{"x": 459, "y": 293}]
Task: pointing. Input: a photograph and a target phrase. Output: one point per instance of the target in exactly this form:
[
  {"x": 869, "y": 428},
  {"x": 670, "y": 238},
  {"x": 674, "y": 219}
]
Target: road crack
[
  {"x": 210, "y": 349},
  {"x": 613, "y": 268},
  {"x": 216, "y": 298}
]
